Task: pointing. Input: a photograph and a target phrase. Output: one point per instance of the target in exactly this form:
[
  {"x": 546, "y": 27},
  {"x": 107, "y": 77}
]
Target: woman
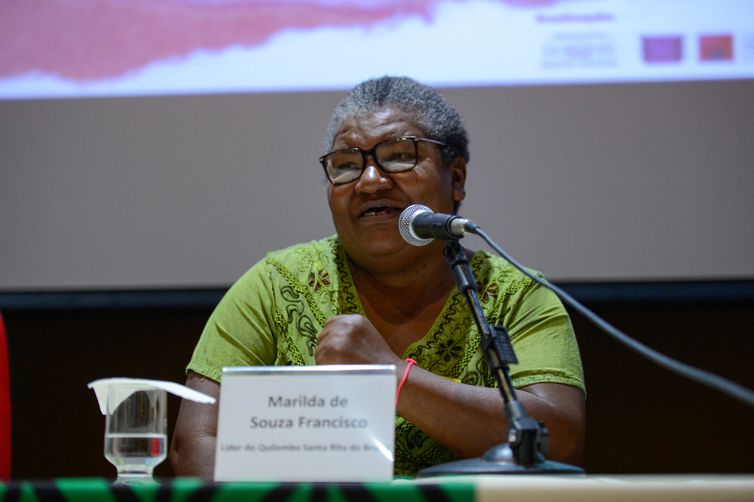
[{"x": 367, "y": 297}]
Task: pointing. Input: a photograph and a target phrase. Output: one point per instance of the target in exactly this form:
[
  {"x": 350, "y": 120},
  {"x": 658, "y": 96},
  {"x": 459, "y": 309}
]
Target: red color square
[{"x": 716, "y": 47}]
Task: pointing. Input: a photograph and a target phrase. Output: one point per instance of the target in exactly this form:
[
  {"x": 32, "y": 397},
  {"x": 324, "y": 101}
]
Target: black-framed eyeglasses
[{"x": 394, "y": 155}]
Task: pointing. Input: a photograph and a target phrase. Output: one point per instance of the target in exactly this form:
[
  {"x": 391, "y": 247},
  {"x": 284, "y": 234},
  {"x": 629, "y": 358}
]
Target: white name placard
[{"x": 306, "y": 423}]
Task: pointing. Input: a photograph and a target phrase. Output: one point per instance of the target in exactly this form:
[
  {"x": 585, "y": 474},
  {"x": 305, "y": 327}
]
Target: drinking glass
[{"x": 135, "y": 431}]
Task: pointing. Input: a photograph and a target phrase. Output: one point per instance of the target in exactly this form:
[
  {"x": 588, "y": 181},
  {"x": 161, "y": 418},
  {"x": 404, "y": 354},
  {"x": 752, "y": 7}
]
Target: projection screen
[{"x": 172, "y": 144}]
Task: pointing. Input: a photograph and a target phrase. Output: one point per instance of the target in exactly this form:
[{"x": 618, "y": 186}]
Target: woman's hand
[
  {"x": 352, "y": 339},
  {"x": 465, "y": 418}
]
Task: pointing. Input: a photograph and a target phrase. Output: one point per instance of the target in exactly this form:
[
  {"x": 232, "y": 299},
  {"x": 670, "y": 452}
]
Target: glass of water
[{"x": 135, "y": 431}]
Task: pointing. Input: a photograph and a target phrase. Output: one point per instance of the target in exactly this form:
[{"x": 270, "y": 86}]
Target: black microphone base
[{"x": 498, "y": 460}]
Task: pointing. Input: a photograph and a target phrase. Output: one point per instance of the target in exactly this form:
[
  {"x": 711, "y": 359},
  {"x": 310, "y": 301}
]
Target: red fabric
[{"x": 4, "y": 407}]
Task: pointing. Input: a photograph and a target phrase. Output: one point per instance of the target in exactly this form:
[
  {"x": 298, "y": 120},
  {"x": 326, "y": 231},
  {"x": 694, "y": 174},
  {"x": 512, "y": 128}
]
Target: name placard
[{"x": 306, "y": 423}]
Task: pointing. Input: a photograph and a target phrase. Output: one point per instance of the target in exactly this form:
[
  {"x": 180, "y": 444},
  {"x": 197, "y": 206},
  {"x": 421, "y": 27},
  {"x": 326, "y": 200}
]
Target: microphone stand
[{"x": 527, "y": 438}]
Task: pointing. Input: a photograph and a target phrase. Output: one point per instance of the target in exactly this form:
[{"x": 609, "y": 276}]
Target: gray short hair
[{"x": 431, "y": 111}]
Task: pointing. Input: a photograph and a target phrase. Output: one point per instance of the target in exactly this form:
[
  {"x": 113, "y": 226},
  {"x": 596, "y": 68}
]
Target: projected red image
[
  {"x": 716, "y": 48},
  {"x": 90, "y": 40}
]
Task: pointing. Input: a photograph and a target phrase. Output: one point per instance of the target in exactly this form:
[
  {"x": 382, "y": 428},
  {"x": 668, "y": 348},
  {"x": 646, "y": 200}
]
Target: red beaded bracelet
[{"x": 410, "y": 362}]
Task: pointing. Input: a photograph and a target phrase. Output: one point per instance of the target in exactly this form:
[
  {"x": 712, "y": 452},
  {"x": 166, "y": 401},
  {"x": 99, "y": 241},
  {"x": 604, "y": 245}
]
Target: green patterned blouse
[{"x": 273, "y": 313}]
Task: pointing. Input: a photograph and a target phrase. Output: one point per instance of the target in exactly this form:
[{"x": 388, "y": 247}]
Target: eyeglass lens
[{"x": 393, "y": 156}]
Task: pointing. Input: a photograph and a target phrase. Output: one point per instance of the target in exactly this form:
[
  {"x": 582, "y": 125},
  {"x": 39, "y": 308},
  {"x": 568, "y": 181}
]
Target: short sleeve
[
  {"x": 544, "y": 339},
  {"x": 240, "y": 331}
]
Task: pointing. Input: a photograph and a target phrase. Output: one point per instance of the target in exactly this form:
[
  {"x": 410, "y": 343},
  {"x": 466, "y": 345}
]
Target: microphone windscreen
[{"x": 405, "y": 224}]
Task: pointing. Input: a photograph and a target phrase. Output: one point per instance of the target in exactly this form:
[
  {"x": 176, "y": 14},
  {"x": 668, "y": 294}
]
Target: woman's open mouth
[{"x": 380, "y": 211}]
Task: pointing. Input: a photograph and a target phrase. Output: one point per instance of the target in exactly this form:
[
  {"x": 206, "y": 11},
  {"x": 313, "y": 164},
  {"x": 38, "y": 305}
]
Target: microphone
[{"x": 419, "y": 225}]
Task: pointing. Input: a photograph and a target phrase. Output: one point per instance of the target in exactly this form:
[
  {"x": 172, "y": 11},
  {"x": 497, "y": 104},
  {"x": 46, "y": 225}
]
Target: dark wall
[
  {"x": 57, "y": 426},
  {"x": 644, "y": 419},
  {"x": 641, "y": 419}
]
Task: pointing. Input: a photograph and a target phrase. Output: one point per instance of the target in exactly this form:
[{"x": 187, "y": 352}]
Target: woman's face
[{"x": 366, "y": 211}]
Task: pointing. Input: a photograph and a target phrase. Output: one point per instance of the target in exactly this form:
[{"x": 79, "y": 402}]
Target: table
[{"x": 686, "y": 488}]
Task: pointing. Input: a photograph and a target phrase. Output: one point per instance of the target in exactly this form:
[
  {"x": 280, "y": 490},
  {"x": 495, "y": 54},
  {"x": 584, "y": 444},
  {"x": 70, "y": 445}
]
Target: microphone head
[{"x": 405, "y": 224}]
